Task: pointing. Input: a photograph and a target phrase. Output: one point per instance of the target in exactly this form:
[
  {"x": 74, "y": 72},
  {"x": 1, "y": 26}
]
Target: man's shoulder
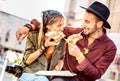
[{"x": 110, "y": 42}]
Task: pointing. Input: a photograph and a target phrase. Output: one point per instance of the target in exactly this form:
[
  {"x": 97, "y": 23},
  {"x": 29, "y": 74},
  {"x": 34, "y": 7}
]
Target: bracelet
[
  {"x": 28, "y": 26},
  {"x": 40, "y": 50},
  {"x": 43, "y": 47},
  {"x": 79, "y": 57}
]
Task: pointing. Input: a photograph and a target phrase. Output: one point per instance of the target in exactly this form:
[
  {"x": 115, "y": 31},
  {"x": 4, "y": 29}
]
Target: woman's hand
[
  {"x": 50, "y": 42},
  {"x": 53, "y": 38}
]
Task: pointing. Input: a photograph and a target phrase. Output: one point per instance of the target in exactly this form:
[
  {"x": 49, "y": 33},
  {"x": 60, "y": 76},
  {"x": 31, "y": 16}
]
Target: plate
[{"x": 55, "y": 73}]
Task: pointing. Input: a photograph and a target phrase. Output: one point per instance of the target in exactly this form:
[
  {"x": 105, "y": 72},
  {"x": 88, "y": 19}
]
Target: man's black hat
[{"x": 101, "y": 11}]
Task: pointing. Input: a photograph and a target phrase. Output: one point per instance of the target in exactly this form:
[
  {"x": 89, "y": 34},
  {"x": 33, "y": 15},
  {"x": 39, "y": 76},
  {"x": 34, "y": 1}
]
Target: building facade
[{"x": 9, "y": 24}]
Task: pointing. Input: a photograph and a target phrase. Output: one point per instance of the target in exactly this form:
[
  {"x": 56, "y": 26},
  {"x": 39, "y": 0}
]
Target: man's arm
[
  {"x": 96, "y": 70},
  {"x": 22, "y": 32}
]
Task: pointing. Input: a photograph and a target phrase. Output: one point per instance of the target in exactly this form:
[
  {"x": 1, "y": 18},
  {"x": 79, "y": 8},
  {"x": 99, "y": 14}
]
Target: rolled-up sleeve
[{"x": 96, "y": 70}]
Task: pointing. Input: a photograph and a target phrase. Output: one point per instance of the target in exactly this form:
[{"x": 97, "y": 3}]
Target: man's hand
[
  {"x": 22, "y": 32},
  {"x": 75, "y": 52}
]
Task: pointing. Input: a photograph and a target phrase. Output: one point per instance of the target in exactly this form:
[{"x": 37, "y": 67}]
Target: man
[{"x": 100, "y": 48}]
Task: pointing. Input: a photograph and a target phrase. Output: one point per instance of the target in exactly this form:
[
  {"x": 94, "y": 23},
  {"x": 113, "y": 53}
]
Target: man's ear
[{"x": 100, "y": 24}]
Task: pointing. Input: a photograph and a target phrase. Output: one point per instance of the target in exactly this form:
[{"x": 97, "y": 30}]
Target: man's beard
[{"x": 91, "y": 31}]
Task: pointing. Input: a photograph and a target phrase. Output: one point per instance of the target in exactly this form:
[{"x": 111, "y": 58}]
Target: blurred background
[{"x": 16, "y": 13}]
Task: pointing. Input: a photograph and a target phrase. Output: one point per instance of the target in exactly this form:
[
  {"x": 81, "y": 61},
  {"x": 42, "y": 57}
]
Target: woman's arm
[{"x": 32, "y": 51}]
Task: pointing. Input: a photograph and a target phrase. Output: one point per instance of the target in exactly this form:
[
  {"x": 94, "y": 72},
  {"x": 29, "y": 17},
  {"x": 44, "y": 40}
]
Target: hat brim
[{"x": 106, "y": 24}]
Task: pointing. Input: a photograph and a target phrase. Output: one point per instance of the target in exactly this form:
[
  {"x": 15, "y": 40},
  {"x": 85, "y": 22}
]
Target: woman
[{"x": 44, "y": 48}]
